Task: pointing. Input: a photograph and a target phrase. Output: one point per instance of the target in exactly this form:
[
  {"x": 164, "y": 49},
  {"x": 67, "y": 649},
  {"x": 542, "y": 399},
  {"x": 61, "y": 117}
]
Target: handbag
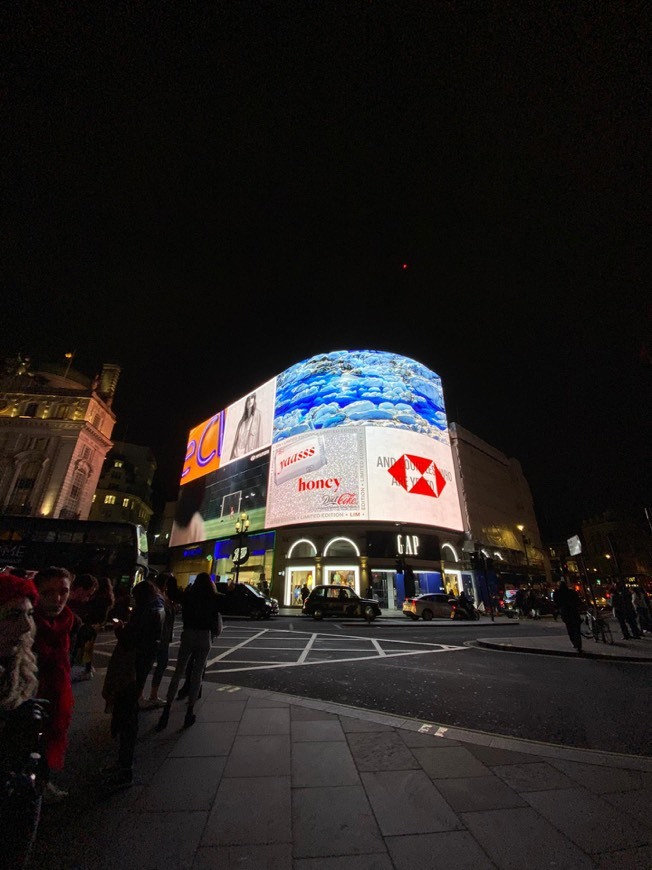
[{"x": 217, "y": 626}]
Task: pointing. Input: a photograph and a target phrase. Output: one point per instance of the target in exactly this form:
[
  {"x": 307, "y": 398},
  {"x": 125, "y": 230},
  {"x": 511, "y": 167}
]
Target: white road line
[
  {"x": 380, "y": 650},
  {"x": 237, "y": 646},
  {"x": 307, "y": 648},
  {"x": 335, "y": 661}
]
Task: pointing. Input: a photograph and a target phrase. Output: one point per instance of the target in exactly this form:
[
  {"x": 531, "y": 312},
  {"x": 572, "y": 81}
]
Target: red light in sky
[{"x": 404, "y": 266}]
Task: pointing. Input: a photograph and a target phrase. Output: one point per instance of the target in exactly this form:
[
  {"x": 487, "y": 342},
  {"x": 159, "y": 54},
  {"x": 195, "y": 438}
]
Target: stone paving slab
[{"x": 320, "y": 785}]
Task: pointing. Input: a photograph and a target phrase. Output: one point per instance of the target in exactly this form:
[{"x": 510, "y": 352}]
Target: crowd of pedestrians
[{"x": 48, "y": 628}]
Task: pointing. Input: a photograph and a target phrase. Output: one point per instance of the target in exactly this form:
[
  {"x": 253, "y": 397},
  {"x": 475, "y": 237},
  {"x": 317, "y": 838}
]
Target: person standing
[
  {"x": 96, "y": 615},
  {"x": 130, "y": 664},
  {"x": 83, "y": 589},
  {"x": 23, "y": 771},
  {"x": 305, "y": 592},
  {"x": 532, "y": 605},
  {"x": 569, "y": 604},
  {"x": 623, "y": 608},
  {"x": 519, "y": 600},
  {"x": 167, "y": 586},
  {"x": 54, "y": 624},
  {"x": 641, "y": 602},
  {"x": 200, "y": 612}
]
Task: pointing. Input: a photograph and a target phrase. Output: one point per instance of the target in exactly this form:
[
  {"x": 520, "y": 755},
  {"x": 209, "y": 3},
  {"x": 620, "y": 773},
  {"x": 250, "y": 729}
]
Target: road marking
[
  {"x": 380, "y": 650},
  {"x": 378, "y": 654},
  {"x": 238, "y": 646},
  {"x": 325, "y": 649},
  {"x": 307, "y": 648}
]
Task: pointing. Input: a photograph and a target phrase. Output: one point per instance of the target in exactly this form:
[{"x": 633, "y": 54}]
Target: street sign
[
  {"x": 240, "y": 555},
  {"x": 574, "y": 546}
]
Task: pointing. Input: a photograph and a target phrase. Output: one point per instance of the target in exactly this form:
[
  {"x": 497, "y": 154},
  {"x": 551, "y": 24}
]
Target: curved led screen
[{"x": 347, "y": 435}]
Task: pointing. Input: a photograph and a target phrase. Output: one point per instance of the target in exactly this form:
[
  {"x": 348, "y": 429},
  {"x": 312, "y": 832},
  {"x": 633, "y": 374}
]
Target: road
[{"x": 433, "y": 672}]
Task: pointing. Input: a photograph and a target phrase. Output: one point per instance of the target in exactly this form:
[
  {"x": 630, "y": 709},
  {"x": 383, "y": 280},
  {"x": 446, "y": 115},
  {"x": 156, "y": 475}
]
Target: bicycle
[{"x": 596, "y": 627}]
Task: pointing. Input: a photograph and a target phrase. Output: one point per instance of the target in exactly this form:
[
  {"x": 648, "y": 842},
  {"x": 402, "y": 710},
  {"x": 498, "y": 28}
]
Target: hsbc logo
[{"x": 418, "y": 475}]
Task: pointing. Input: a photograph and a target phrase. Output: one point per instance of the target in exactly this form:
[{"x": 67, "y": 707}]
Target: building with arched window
[
  {"x": 55, "y": 431},
  {"x": 343, "y": 469}
]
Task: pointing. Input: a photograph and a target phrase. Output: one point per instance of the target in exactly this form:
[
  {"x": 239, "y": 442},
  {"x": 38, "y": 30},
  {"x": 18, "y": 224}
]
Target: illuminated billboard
[{"x": 347, "y": 435}]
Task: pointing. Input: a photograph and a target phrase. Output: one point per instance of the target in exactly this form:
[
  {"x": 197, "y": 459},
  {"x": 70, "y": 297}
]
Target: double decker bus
[{"x": 104, "y": 549}]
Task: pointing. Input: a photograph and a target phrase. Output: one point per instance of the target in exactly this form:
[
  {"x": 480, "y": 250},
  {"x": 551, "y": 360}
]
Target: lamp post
[
  {"x": 526, "y": 541},
  {"x": 240, "y": 555},
  {"x": 616, "y": 571}
]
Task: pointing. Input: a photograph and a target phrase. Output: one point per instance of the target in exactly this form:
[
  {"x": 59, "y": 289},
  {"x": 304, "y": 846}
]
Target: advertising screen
[
  {"x": 317, "y": 477},
  {"x": 347, "y": 435}
]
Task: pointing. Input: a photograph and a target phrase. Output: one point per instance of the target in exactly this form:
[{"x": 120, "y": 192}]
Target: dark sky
[{"x": 209, "y": 193}]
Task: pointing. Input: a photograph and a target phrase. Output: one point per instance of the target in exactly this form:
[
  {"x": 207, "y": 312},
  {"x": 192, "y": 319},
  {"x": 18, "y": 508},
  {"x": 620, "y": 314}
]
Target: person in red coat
[{"x": 54, "y": 623}]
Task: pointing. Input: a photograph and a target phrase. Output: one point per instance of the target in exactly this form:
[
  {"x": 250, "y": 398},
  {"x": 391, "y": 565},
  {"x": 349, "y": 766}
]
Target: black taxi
[{"x": 339, "y": 601}]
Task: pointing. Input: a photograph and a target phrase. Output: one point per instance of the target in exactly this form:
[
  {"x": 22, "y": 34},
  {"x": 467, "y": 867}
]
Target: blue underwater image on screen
[{"x": 359, "y": 388}]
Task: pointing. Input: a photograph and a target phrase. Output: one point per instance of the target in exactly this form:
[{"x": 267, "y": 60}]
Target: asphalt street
[{"x": 435, "y": 673}]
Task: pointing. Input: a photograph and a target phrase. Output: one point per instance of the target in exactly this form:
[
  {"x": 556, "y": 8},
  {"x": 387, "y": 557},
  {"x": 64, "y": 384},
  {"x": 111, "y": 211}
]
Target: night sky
[{"x": 209, "y": 193}]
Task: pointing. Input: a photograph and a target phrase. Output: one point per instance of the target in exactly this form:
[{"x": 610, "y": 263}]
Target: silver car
[{"x": 427, "y": 606}]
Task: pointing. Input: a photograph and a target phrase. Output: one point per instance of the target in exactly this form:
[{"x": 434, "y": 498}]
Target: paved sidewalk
[{"x": 272, "y": 782}]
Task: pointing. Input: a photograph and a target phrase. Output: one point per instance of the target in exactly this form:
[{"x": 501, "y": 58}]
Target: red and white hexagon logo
[{"x": 418, "y": 475}]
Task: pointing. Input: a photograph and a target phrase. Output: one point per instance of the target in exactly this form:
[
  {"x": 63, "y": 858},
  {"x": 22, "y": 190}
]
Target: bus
[{"x": 104, "y": 549}]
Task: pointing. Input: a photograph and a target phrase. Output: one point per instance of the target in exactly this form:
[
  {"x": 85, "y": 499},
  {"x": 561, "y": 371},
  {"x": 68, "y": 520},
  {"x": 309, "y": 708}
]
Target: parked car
[
  {"x": 342, "y": 601},
  {"x": 428, "y": 605},
  {"x": 242, "y": 599}
]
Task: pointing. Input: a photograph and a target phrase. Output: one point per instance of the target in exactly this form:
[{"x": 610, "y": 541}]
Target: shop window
[
  {"x": 302, "y": 549},
  {"x": 341, "y": 547}
]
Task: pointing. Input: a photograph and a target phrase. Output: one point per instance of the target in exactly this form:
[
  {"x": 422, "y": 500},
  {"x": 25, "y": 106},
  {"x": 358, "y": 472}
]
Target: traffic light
[{"x": 409, "y": 582}]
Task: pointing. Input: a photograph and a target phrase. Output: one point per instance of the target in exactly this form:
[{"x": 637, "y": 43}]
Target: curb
[
  {"x": 510, "y": 647},
  {"x": 397, "y": 622},
  {"x": 464, "y": 735}
]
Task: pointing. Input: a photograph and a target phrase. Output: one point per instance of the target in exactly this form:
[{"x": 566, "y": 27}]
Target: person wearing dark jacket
[
  {"x": 23, "y": 771},
  {"x": 569, "y": 604},
  {"x": 200, "y": 612},
  {"x": 130, "y": 664},
  {"x": 624, "y": 611}
]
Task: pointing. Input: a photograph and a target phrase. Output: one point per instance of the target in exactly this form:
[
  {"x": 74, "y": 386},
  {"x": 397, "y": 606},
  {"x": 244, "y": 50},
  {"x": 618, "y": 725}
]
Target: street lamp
[{"x": 240, "y": 554}]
